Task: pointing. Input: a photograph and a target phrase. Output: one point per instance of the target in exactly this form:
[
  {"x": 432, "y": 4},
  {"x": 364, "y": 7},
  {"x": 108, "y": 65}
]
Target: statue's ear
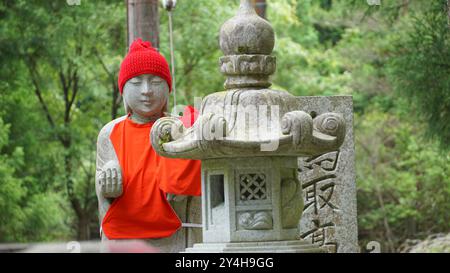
[
  {"x": 125, "y": 104},
  {"x": 165, "y": 107}
]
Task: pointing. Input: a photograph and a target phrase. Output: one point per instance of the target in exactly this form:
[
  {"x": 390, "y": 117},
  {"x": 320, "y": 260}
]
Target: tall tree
[
  {"x": 143, "y": 21},
  {"x": 421, "y": 69}
]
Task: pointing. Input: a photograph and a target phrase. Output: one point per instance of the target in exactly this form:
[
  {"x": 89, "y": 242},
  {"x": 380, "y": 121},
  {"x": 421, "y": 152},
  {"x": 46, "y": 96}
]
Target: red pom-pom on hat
[
  {"x": 138, "y": 45},
  {"x": 142, "y": 58}
]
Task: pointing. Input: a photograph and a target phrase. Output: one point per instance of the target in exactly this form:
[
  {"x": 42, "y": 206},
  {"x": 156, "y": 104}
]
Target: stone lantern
[{"x": 249, "y": 138}]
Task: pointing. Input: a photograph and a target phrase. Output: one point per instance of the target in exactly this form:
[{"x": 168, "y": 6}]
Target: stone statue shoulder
[
  {"x": 105, "y": 150},
  {"x": 106, "y": 130}
]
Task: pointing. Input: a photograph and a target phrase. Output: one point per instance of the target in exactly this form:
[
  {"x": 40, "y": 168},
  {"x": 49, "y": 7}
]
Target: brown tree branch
[
  {"x": 116, "y": 99},
  {"x": 62, "y": 79},
  {"x": 105, "y": 68},
  {"x": 75, "y": 80},
  {"x": 38, "y": 93},
  {"x": 34, "y": 76}
]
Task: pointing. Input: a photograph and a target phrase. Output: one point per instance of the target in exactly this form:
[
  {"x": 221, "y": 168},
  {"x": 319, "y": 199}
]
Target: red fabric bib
[{"x": 142, "y": 211}]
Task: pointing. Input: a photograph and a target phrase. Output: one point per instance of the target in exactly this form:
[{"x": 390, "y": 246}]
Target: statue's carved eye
[
  {"x": 156, "y": 82},
  {"x": 135, "y": 80}
]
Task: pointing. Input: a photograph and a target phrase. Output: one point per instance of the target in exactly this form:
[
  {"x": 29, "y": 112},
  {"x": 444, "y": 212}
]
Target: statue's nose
[{"x": 146, "y": 88}]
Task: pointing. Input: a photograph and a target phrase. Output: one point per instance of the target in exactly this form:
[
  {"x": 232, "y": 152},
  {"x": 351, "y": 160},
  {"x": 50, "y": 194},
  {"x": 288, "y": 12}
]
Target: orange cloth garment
[{"x": 142, "y": 211}]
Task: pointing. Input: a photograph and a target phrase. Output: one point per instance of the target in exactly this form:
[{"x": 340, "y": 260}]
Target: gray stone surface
[
  {"x": 294, "y": 246},
  {"x": 436, "y": 243},
  {"x": 242, "y": 201},
  {"x": 246, "y": 33},
  {"x": 329, "y": 186}
]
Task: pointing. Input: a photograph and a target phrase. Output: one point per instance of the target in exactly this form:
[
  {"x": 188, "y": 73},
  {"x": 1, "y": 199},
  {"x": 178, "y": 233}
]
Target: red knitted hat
[{"x": 142, "y": 58}]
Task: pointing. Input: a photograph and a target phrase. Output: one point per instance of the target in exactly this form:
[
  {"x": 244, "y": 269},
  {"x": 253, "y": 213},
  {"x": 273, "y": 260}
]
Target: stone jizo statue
[
  {"x": 144, "y": 97},
  {"x": 133, "y": 183}
]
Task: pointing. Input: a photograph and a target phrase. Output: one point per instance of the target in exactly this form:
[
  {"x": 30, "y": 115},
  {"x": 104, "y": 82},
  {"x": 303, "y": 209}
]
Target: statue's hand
[{"x": 110, "y": 180}]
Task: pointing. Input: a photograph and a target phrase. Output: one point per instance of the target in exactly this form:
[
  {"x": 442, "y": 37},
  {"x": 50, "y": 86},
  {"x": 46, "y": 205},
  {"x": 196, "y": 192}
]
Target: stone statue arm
[{"x": 108, "y": 176}]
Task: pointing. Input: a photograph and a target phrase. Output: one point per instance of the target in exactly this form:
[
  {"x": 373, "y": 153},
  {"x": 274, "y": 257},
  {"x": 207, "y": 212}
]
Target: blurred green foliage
[{"x": 393, "y": 59}]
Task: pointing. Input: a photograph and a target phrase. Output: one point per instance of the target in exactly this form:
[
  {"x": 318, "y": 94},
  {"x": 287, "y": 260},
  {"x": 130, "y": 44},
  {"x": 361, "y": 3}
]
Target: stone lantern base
[
  {"x": 293, "y": 246},
  {"x": 255, "y": 199}
]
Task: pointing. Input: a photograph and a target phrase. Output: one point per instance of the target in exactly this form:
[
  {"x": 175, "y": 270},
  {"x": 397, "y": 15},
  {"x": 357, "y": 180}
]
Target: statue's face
[{"x": 146, "y": 95}]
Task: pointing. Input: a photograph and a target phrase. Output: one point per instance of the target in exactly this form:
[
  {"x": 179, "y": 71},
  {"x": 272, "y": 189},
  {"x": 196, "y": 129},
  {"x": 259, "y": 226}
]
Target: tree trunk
[
  {"x": 448, "y": 13},
  {"x": 115, "y": 99},
  {"x": 143, "y": 21},
  {"x": 83, "y": 228}
]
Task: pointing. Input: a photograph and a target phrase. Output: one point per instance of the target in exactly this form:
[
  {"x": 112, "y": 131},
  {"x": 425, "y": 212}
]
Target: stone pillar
[{"x": 329, "y": 185}]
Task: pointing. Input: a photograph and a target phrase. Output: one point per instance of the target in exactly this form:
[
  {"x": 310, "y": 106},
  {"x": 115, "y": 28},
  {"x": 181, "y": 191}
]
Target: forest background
[{"x": 58, "y": 87}]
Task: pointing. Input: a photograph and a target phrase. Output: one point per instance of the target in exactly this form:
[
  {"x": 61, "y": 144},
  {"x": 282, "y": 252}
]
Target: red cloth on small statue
[{"x": 142, "y": 211}]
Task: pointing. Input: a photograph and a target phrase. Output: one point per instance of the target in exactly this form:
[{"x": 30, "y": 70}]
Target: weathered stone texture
[{"x": 329, "y": 187}]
